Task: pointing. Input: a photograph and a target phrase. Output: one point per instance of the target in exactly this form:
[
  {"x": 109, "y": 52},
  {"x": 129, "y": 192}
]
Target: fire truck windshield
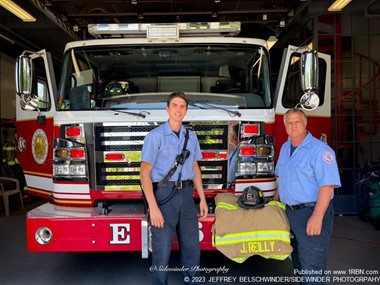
[{"x": 231, "y": 76}]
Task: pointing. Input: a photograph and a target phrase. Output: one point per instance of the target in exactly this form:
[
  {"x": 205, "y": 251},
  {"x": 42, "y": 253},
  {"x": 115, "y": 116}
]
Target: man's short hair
[
  {"x": 296, "y": 110},
  {"x": 177, "y": 94}
]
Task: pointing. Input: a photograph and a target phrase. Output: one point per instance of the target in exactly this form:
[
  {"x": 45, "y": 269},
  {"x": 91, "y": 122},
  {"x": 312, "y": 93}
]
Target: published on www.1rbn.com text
[{"x": 221, "y": 276}]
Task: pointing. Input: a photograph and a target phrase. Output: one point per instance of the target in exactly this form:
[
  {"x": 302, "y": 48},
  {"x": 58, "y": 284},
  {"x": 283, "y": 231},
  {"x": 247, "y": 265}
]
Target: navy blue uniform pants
[
  {"x": 180, "y": 216},
  {"x": 309, "y": 254}
]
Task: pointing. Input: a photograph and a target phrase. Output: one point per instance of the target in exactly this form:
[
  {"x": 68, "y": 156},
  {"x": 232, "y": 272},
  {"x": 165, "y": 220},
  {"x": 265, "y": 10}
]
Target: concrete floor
[{"x": 354, "y": 254}]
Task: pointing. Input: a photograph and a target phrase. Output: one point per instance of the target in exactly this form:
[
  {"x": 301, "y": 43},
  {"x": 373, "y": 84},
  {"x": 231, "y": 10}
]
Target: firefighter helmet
[
  {"x": 251, "y": 198},
  {"x": 115, "y": 88}
]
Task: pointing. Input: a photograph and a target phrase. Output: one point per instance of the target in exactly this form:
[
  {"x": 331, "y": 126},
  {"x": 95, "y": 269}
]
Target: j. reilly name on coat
[{"x": 257, "y": 247}]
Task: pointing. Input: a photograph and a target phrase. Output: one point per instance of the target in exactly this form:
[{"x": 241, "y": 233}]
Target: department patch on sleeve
[{"x": 328, "y": 157}]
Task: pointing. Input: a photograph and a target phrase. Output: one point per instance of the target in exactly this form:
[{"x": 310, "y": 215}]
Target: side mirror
[
  {"x": 29, "y": 102},
  {"x": 309, "y": 71},
  {"x": 309, "y": 80},
  {"x": 24, "y": 75},
  {"x": 309, "y": 102},
  {"x": 24, "y": 82}
]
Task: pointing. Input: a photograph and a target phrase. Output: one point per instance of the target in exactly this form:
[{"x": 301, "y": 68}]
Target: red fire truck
[{"x": 80, "y": 144}]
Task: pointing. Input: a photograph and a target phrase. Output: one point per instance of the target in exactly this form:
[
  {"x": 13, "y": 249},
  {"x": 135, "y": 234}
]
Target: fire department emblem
[
  {"x": 21, "y": 144},
  {"x": 39, "y": 146},
  {"x": 328, "y": 158}
]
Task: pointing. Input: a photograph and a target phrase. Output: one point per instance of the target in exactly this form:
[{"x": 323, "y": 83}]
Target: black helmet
[
  {"x": 116, "y": 88},
  {"x": 251, "y": 198}
]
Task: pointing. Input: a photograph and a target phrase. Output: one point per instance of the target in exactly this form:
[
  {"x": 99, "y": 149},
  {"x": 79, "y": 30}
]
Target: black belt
[
  {"x": 300, "y": 206},
  {"x": 176, "y": 184}
]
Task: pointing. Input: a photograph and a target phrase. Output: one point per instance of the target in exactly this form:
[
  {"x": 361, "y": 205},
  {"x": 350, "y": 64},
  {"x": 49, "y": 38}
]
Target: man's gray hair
[{"x": 296, "y": 110}]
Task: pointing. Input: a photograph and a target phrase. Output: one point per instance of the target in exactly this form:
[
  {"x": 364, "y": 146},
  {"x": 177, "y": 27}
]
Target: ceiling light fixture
[
  {"x": 17, "y": 11},
  {"x": 338, "y": 5}
]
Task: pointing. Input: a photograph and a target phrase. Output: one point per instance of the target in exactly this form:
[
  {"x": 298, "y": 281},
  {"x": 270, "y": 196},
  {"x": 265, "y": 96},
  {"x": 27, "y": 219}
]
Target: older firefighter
[{"x": 307, "y": 172}]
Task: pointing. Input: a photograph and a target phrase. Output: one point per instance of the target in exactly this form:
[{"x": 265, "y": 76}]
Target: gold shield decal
[{"x": 39, "y": 146}]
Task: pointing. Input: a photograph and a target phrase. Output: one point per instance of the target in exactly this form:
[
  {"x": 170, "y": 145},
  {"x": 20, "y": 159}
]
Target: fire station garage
[{"x": 82, "y": 83}]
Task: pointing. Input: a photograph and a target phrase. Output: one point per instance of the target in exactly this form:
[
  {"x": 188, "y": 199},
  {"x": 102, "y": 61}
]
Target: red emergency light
[
  {"x": 250, "y": 130},
  {"x": 223, "y": 155},
  {"x": 214, "y": 154},
  {"x": 114, "y": 156},
  {"x": 208, "y": 155},
  {"x": 77, "y": 153},
  {"x": 247, "y": 151},
  {"x": 73, "y": 132}
]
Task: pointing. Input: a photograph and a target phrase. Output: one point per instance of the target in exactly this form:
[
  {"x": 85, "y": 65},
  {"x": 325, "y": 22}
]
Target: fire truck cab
[{"x": 80, "y": 144}]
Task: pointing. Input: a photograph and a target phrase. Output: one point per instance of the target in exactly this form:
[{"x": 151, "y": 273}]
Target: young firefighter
[{"x": 171, "y": 206}]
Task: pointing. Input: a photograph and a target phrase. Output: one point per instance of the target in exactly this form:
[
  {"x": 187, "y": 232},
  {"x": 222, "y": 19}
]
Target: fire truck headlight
[
  {"x": 69, "y": 168},
  {"x": 61, "y": 169},
  {"x": 253, "y": 168},
  {"x": 78, "y": 169},
  {"x": 265, "y": 167},
  {"x": 246, "y": 168},
  {"x": 43, "y": 235}
]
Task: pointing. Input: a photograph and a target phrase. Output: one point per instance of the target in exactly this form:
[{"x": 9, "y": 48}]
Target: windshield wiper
[
  {"x": 132, "y": 113},
  {"x": 209, "y": 106},
  {"x": 141, "y": 114}
]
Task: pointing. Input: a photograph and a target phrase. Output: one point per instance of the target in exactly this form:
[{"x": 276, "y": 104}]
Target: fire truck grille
[
  {"x": 213, "y": 172},
  {"x": 127, "y": 141},
  {"x": 212, "y": 136},
  {"x": 213, "y": 139},
  {"x": 118, "y": 173},
  {"x": 120, "y": 137}
]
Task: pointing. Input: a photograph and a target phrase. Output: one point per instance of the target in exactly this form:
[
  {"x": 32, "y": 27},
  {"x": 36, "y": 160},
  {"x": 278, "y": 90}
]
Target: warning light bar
[{"x": 164, "y": 31}]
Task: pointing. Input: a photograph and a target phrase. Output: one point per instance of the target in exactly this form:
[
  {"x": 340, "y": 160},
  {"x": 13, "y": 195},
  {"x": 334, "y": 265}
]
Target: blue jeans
[
  {"x": 180, "y": 216},
  {"x": 309, "y": 254}
]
